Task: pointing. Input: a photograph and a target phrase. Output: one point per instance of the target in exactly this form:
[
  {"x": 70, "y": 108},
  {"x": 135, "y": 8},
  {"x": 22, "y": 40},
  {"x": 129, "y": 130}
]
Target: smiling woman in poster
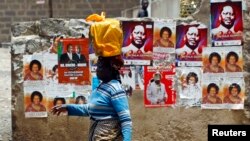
[
  {"x": 34, "y": 73},
  {"x": 233, "y": 97},
  {"x": 36, "y": 103},
  {"x": 212, "y": 95}
]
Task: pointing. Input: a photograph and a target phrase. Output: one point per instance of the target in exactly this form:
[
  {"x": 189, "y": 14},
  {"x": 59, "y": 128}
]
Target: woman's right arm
[
  {"x": 77, "y": 109},
  {"x": 72, "y": 109}
]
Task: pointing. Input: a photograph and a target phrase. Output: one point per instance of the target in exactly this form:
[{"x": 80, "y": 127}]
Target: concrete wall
[
  {"x": 12, "y": 11},
  {"x": 149, "y": 124}
]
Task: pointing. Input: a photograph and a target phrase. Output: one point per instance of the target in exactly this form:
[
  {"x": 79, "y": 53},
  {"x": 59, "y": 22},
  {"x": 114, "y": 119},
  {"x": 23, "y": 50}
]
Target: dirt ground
[{"x": 5, "y": 95}]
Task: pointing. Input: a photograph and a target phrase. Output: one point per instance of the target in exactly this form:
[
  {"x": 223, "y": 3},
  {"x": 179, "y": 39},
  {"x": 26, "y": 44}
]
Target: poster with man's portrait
[
  {"x": 212, "y": 93},
  {"x": 35, "y": 101},
  {"x": 234, "y": 93},
  {"x": 191, "y": 39},
  {"x": 226, "y": 23},
  {"x": 164, "y": 42},
  {"x": 33, "y": 67},
  {"x": 213, "y": 61},
  {"x": 137, "y": 47},
  {"x": 159, "y": 90},
  {"x": 73, "y": 58},
  {"x": 189, "y": 89},
  {"x": 233, "y": 61}
]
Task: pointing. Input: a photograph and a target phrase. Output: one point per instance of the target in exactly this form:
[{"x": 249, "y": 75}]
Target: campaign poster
[
  {"x": 226, "y": 23},
  {"x": 92, "y": 58},
  {"x": 55, "y": 43},
  {"x": 159, "y": 90},
  {"x": 233, "y": 61},
  {"x": 165, "y": 35},
  {"x": 137, "y": 47},
  {"x": 189, "y": 89},
  {"x": 35, "y": 100},
  {"x": 73, "y": 58},
  {"x": 127, "y": 75},
  {"x": 51, "y": 67},
  {"x": 33, "y": 67},
  {"x": 213, "y": 61},
  {"x": 212, "y": 93},
  {"x": 234, "y": 90},
  {"x": 191, "y": 39}
]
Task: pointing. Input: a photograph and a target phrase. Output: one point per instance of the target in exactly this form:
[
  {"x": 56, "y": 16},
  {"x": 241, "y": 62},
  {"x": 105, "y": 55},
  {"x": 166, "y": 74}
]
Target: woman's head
[
  {"x": 192, "y": 78},
  {"x": 35, "y": 66},
  {"x": 214, "y": 58},
  {"x": 232, "y": 58},
  {"x": 165, "y": 33},
  {"x": 59, "y": 101},
  {"x": 55, "y": 69},
  {"x": 212, "y": 89},
  {"x": 80, "y": 100},
  {"x": 36, "y": 97},
  {"x": 234, "y": 89},
  {"x": 108, "y": 68}
]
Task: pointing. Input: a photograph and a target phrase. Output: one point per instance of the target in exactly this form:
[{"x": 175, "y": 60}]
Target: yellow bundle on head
[{"x": 107, "y": 36}]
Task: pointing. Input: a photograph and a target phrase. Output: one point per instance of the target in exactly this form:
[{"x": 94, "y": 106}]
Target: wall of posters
[
  {"x": 137, "y": 48},
  {"x": 73, "y": 62},
  {"x": 226, "y": 22},
  {"x": 190, "y": 42},
  {"x": 159, "y": 90}
]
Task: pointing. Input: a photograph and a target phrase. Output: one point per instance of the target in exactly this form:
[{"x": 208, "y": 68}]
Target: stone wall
[
  {"x": 149, "y": 124},
  {"x": 12, "y": 11}
]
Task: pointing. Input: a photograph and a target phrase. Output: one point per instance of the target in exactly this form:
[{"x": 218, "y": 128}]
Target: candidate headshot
[
  {"x": 227, "y": 20},
  {"x": 214, "y": 64},
  {"x": 231, "y": 62},
  {"x": 34, "y": 73},
  {"x": 164, "y": 41},
  {"x": 233, "y": 96},
  {"x": 212, "y": 95},
  {"x": 36, "y": 103},
  {"x": 191, "y": 46},
  {"x": 138, "y": 38},
  {"x": 67, "y": 57}
]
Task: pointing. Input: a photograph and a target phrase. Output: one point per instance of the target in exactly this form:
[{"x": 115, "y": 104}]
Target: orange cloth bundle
[{"x": 106, "y": 35}]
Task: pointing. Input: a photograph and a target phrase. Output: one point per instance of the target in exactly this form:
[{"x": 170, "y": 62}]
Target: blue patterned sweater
[{"x": 109, "y": 100}]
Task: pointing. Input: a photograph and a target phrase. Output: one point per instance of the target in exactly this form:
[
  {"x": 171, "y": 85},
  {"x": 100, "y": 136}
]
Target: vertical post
[{"x": 50, "y": 9}]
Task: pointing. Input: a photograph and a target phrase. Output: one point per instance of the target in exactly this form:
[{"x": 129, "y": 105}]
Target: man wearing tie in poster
[
  {"x": 227, "y": 21},
  {"x": 191, "y": 48},
  {"x": 78, "y": 57},
  {"x": 156, "y": 92},
  {"x": 138, "y": 38},
  {"x": 68, "y": 56}
]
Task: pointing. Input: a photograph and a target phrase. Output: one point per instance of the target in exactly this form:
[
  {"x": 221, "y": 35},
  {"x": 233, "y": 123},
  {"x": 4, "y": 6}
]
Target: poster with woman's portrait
[
  {"x": 234, "y": 93},
  {"x": 137, "y": 47},
  {"x": 51, "y": 68},
  {"x": 233, "y": 61},
  {"x": 33, "y": 67},
  {"x": 73, "y": 58},
  {"x": 191, "y": 39},
  {"x": 212, "y": 93},
  {"x": 213, "y": 59},
  {"x": 127, "y": 75},
  {"x": 58, "y": 101},
  {"x": 35, "y": 101},
  {"x": 226, "y": 23},
  {"x": 189, "y": 89},
  {"x": 159, "y": 90},
  {"x": 164, "y": 36}
]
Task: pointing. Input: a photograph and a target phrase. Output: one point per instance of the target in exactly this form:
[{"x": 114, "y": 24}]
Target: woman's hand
[{"x": 56, "y": 110}]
